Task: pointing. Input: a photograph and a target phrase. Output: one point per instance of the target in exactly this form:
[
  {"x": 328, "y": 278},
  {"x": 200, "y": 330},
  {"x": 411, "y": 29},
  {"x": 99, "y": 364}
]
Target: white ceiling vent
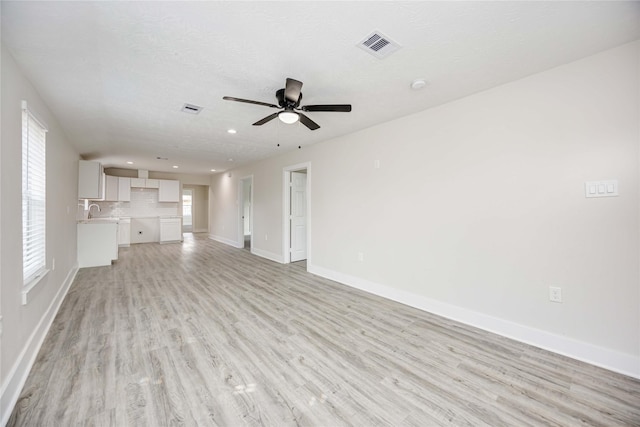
[
  {"x": 378, "y": 45},
  {"x": 191, "y": 109}
]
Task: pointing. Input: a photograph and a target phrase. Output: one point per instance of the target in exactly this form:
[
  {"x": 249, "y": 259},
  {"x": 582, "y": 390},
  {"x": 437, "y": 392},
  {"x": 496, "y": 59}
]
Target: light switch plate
[{"x": 607, "y": 188}]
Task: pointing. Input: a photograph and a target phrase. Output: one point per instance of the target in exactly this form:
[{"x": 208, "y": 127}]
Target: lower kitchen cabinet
[
  {"x": 170, "y": 230},
  {"x": 97, "y": 243}
]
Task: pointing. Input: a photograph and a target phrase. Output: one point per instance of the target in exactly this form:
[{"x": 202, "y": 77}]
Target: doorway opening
[
  {"x": 297, "y": 210},
  {"x": 195, "y": 208},
  {"x": 187, "y": 210},
  {"x": 245, "y": 190}
]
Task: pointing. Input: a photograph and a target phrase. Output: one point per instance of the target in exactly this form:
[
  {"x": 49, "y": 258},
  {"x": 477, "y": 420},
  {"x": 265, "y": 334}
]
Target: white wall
[
  {"x": 478, "y": 207},
  {"x": 24, "y": 326}
]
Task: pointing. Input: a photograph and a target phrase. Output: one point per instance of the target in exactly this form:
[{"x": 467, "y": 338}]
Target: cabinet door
[
  {"x": 124, "y": 189},
  {"x": 170, "y": 230},
  {"x": 138, "y": 182},
  {"x": 90, "y": 180},
  {"x": 111, "y": 188},
  {"x": 169, "y": 191}
]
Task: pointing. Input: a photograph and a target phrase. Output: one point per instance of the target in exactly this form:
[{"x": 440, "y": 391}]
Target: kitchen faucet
[{"x": 89, "y": 209}]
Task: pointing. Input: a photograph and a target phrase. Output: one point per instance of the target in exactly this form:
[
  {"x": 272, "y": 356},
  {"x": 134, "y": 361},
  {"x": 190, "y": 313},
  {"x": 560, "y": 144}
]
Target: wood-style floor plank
[{"x": 200, "y": 333}]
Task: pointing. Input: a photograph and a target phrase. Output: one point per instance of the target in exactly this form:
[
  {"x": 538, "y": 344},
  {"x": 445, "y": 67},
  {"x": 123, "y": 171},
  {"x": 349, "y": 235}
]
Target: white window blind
[{"x": 34, "y": 193}]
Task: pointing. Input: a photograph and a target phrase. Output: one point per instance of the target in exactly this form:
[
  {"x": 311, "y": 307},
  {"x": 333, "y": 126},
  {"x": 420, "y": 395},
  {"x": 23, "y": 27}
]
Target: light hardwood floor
[{"x": 200, "y": 333}]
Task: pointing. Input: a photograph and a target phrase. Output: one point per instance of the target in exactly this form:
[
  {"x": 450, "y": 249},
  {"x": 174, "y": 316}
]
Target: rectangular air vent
[
  {"x": 191, "y": 109},
  {"x": 378, "y": 45}
]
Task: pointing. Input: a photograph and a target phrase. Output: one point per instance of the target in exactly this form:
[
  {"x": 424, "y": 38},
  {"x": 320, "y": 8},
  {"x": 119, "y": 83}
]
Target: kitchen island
[{"x": 97, "y": 242}]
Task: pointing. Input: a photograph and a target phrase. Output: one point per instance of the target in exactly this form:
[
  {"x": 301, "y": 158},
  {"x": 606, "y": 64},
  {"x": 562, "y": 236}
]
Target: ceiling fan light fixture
[{"x": 288, "y": 117}]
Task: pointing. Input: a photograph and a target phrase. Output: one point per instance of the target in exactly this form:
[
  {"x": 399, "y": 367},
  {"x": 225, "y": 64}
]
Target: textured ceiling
[{"x": 116, "y": 74}]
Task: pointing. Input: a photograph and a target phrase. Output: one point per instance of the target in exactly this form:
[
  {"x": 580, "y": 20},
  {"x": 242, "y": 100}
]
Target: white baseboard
[
  {"x": 261, "y": 253},
  {"x": 227, "y": 241},
  {"x": 599, "y": 356},
  {"x": 200, "y": 230},
  {"x": 12, "y": 387},
  {"x": 268, "y": 255}
]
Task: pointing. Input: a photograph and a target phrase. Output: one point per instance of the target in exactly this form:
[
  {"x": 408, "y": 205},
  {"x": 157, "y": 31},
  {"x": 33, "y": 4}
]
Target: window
[{"x": 33, "y": 196}]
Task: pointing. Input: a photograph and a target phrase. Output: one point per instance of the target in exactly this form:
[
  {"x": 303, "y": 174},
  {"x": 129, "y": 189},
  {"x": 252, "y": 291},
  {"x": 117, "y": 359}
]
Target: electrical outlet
[
  {"x": 360, "y": 256},
  {"x": 53, "y": 264},
  {"x": 555, "y": 294},
  {"x": 266, "y": 237}
]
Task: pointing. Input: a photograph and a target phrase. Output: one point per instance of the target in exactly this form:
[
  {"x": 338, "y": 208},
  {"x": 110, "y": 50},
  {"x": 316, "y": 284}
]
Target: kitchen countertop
[{"x": 99, "y": 221}]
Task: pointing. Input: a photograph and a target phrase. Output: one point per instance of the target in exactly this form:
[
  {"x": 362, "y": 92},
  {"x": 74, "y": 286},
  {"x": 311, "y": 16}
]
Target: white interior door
[{"x": 298, "y": 216}]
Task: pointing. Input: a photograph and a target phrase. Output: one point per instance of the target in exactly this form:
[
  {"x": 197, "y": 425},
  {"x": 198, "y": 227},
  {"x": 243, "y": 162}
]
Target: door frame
[
  {"x": 286, "y": 209},
  {"x": 240, "y": 205},
  {"x": 187, "y": 188}
]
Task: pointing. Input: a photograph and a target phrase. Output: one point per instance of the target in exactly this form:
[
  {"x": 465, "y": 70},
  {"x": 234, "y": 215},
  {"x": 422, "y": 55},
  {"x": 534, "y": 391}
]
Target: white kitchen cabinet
[
  {"x": 124, "y": 189},
  {"x": 144, "y": 183},
  {"x": 169, "y": 190},
  {"x": 97, "y": 243},
  {"x": 138, "y": 182},
  {"x": 111, "y": 188},
  {"x": 170, "y": 229},
  {"x": 90, "y": 180},
  {"x": 124, "y": 232}
]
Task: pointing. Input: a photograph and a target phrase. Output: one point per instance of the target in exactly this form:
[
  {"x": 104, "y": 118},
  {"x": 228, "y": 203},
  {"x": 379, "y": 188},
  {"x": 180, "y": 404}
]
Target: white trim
[
  {"x": 25, "y": 107},
  {"x": 240, "y": 205},
  {"x": 272, "y": 256},
  {"x": 32, "y": 284},
  {"x": 286, "y": 207},
  {"x": 227, "y": 241},
  {"x": 15, "y": 380},
  {"x": 612, "y": 360}
]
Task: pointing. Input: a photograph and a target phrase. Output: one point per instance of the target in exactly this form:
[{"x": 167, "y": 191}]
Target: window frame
[{"x": 34, "y": 200}]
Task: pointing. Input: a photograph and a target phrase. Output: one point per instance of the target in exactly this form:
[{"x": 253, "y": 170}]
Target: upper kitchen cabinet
[
  {"x": 90, "y": 180},
  {"x": 168, "y": 190},
  {"x": 117, "y": 189},
  {"x": 124, "y": 189},
  {"x": 144, "y": 183},
  {"x": 111, "y": 188}
]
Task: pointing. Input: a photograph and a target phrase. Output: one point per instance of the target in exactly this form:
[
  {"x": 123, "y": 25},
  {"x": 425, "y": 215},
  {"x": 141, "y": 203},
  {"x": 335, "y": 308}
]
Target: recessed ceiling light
[
  {"x": 175, "y": 167},
  {"x": 231, "y": 160},
  {"x": 231, "y": 131},
  {"x": 129, "y": 163},
  {"x": 213, "y": 170},
  {"x": 418, "y": 84}
]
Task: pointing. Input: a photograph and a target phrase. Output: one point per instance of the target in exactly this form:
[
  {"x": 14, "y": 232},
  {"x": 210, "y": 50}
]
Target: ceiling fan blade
[
  {"x": 308, "y": 122},
  {"x": 292, "y": 90},
  {"x": 266, "y": 119},
  {"x": 248, "y": 101},
  {"x": 345, "y": 108}
]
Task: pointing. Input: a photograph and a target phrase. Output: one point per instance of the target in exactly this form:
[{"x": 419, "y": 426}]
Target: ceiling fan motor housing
[{"x": 285, "y": 103}]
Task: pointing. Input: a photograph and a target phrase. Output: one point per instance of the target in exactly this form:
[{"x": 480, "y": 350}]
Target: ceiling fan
[{"x": 289, "y": 103}]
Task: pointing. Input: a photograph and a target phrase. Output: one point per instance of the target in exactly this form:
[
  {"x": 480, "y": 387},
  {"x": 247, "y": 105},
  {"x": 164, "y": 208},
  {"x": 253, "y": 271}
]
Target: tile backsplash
[{"x": 144, "y": 203}]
